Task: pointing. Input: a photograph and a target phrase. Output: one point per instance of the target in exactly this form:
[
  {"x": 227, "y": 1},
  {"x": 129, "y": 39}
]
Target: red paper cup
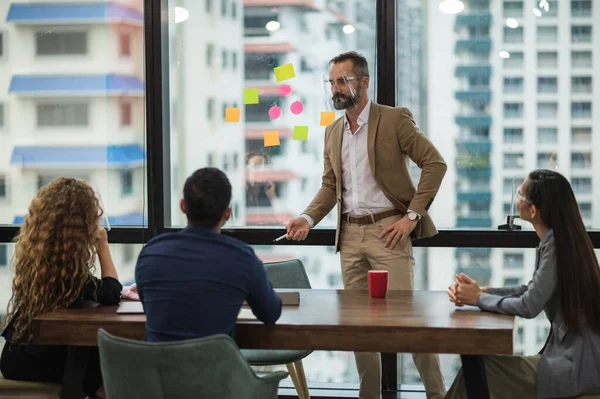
[{"x": 378, "y": 282}]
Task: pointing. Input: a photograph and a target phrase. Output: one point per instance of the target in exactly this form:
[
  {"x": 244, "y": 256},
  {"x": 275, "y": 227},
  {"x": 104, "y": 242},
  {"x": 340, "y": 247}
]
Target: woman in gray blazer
[{"x": 565, "y": 284}]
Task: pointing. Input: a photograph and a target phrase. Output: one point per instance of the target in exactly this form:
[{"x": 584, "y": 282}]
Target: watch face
[{"x": 412, "y": 216}]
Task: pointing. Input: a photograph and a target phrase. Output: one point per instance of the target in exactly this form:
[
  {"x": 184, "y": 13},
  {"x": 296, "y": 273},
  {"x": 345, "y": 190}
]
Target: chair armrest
[{"x": 275, "y": 376}]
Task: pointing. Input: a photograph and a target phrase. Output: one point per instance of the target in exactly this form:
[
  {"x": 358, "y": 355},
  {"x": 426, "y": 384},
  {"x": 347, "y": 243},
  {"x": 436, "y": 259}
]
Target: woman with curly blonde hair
[{"x": 54, "y": 267}]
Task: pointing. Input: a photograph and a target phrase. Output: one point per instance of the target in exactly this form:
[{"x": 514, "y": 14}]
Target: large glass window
[
  {"x": 271, "y": 183},
  {"x": 72, "y": 96},
  {"x": 534, "y": 98}
]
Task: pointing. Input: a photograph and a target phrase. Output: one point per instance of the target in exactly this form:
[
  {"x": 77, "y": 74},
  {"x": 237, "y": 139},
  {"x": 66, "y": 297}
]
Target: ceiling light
[
  {"x": 348, "y": 29},
  {"x": 272, "y": 26},
  {"x": 537, "y": 12},
  {"x": 504, "y": 54},
  {"x": 181, "y": 14},
  {"x": 451, "y": 6},
  {"x": 512, "y": 23}
]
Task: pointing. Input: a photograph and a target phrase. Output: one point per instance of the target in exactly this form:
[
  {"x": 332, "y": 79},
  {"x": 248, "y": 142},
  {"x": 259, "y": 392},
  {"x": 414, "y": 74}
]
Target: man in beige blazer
[{"x": 366, "y": 175}]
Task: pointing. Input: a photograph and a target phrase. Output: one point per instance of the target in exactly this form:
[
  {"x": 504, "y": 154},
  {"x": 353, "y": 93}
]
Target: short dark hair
[
  {"x": 206, "y": 194},
  {"x": 251, "y": 154},
  {"x": 360, "y": 66}
]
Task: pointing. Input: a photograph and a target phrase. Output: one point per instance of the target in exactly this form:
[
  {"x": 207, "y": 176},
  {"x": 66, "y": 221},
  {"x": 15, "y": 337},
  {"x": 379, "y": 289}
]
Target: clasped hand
[{"x": 464, "y": 291}]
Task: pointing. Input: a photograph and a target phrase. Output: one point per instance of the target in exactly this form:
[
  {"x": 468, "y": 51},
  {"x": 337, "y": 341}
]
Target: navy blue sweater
[{"x": 192, "y": 284}]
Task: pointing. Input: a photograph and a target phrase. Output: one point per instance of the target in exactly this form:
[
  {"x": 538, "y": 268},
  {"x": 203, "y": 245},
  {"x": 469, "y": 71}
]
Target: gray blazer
[{"x": 570, "y": 363}]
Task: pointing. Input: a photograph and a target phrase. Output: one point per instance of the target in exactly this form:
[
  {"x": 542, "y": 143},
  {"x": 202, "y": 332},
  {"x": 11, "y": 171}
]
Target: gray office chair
[
  {"x": 208, "y": 368},
  {"x": 286, "y": 274}
]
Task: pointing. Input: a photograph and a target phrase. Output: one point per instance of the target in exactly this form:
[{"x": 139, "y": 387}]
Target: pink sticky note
[
  {"x": 285, "y": 90},
  {"x": 274, "y": 112},
  {"x": 296, "y": 107}
]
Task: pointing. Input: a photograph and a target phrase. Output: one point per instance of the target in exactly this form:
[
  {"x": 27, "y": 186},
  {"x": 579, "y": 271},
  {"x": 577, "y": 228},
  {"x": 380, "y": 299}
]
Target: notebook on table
[
  {"x": 288, "y": 297},
  {"x": 135, "y": 307}
]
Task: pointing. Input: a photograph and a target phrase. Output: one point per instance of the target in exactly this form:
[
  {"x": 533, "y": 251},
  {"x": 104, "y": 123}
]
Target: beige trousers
[
  {"x": 508, "y": 377},
  {"x": 362, "y": 250}
]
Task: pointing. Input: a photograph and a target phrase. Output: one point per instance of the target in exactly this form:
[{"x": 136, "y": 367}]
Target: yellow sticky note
[
  {"x": 301, "y": 133},
  {"x": 284, "y": 72},
  {"x": 271, "y": 138},
  {"x": 327, "y": 118},
  {"x": 232, "y": 114},
  {"x": 250, "y": 96}
]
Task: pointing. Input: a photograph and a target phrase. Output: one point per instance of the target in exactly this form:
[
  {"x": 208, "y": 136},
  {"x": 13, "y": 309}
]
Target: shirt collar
[
  {"x": 362, "y": 118},
  {"x": 200, "y": 230}
]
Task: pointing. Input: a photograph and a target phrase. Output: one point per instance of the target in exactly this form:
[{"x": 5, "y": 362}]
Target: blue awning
[
  {"x": 73, "y": 13},
  {"x": 129, "y": 219},
  {"x": 76, "y": 85},
  {"x": 123, "y": 156}
]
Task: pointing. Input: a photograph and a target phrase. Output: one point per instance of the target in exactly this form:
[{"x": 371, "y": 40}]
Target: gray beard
[{"x": 346, "y": 102}]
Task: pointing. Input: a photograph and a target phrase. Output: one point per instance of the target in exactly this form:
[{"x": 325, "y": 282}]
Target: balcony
[
  {"x": 267, "y": 89},
  {"x": 271, "y": 219},
  {"x": 473, "y": 45},
  {"x": 473, "y": 70},
  {"x": 474, "y": 95},
  {"x": 253, "y": 47},
  {"x": 252, "y": 133},
  {"x": 473, "y": 251},
  {"x": 470, "y": 171},
  {"x": 481, "y": 274},
  {"x": 475, "y": 19},
  {"x": 76, "y": 85},
  {"x": 474, "y": 146},
  {"x": 474, "y": 221},
  {"x": 475, "y": 120},
  {"x": 74, "y": 14},
  {"x": 303, "y": 5},
  {"x": 484, "y": 196}
]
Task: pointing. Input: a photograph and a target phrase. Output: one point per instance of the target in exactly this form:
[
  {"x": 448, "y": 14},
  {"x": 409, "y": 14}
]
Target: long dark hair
[{"x": 577, "y": 270}]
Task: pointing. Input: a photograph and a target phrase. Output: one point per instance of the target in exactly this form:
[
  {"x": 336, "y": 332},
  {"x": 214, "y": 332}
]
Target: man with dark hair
[
  {"x": 379, "y": 209},
  {"x": 192, "y": 283}
]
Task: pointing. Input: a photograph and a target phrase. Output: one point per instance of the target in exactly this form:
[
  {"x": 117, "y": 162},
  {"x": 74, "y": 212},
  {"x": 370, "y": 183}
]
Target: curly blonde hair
[{"x": 55, "y": 252}]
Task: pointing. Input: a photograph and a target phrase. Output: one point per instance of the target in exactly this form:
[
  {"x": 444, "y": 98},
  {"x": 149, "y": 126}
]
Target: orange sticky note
[
  {"x": 271, "y": 138},
  {"x": 327, "y": 118},
  {"x": 232, "y": 114}
]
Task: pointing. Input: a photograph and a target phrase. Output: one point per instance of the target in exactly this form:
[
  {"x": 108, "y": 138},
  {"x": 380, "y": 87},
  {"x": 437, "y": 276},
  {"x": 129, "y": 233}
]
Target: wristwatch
[{"x": 412, "y": 215}]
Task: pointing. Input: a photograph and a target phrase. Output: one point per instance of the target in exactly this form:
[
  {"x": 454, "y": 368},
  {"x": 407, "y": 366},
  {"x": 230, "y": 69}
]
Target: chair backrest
[
  {"x": 287, "y": 274},
  {"x": 210, "y": 367}
]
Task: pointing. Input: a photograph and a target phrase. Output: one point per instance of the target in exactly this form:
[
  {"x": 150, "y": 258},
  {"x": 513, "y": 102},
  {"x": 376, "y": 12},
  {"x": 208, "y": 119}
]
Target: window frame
[{"x": 158, "y": 159}]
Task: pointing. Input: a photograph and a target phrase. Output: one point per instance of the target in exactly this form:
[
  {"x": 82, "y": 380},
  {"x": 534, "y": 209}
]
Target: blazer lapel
[{"x": 372, "y": 133}]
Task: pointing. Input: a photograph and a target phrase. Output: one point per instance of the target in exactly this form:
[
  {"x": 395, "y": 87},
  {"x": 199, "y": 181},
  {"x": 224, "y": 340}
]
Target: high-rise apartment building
[
  {"x": 72, "y": 104},
  {"x": 513, "y": 86}
]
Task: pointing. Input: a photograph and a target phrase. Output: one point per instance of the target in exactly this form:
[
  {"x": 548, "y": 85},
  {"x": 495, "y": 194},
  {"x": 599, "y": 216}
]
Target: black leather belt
[{"x": 371, "y": 218}]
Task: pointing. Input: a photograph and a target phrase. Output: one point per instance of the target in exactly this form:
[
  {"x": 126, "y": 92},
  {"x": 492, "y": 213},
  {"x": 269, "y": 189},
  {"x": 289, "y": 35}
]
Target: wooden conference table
[{"x": 334, "y": 320}]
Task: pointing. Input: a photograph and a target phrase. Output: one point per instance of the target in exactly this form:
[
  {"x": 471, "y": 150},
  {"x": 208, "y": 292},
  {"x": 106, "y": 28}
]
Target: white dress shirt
[{"x": 360, "y": 193}]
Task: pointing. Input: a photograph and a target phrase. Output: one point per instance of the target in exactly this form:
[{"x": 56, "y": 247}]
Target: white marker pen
[{"x": 280, "y": 238}]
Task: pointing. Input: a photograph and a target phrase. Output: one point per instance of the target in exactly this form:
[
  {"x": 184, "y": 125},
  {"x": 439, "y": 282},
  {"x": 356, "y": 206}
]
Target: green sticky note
[
  {"x": 250, "y": 96},
  {"x": 284, "y": 72},
  {"x": 301, "y": 133}
]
